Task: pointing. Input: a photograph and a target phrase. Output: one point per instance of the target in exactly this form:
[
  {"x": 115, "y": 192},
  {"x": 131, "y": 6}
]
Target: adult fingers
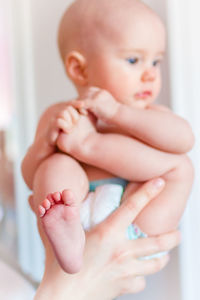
[
  {"x": 150, "y": 266},
  {"x": 132, "y": 285},
  {"x": 133, "y": 267},
  {"x": 148, "y": 246},
  {"x": 152, "y": 245},
  {"x": 133, "y": 204}
]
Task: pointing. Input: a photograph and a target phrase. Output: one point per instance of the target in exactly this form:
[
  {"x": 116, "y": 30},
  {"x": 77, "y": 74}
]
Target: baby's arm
[
  {"x": 155, "y": 125},
  {"x": 160, "y": 129},
  {"x": 44, "y": 145}
]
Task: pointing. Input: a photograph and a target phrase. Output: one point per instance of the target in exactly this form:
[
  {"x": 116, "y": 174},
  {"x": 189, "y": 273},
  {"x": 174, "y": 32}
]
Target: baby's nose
[{"x": 149, "y": 75}]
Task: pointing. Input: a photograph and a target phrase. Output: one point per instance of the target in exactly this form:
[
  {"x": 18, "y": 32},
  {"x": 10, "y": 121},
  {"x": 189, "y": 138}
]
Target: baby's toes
[
  {"x": 56, "y": 197},
  {"x": 51, "y": 199},
  {"x": 74, "y": 114},
  {"x": 68, "y": 198},
  {"x": 45, "y": 205},
  {"x": 41, "y": 211},
  {"x": 64, "y": 125}
]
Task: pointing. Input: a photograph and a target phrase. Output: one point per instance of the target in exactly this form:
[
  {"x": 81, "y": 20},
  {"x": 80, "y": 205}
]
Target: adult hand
[{"x": 111, "y": 262}]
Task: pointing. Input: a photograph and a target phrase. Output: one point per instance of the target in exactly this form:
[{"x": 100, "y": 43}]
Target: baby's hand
[
  {"x": 99, "y": 102},
  {"x": 64, "y": 121}
]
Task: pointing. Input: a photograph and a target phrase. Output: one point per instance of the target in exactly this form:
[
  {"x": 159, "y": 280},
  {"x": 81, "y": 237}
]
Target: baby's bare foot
[
  {"x": 72, "y": 142},
  {"x": 61, "y": 222}
]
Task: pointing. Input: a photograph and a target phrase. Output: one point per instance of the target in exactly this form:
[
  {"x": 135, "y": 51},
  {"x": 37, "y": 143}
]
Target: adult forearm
[{"x": 160, "y": 129}]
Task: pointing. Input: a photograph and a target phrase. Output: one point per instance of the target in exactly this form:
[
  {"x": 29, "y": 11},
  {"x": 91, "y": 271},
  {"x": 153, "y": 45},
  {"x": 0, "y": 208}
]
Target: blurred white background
[{"x": 35, "y": 79}]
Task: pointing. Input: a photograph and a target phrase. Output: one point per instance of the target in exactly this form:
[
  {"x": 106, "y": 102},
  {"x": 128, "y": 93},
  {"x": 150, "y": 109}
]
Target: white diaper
[{"x": 100, "y": 204}]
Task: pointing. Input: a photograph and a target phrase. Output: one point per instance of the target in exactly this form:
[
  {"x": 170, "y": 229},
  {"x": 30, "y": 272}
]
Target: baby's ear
[{"x": 75, "y": 65}]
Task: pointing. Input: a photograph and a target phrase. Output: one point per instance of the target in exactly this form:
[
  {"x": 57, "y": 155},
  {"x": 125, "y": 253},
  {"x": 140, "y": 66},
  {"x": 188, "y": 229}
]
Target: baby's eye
[
  {"x": 156, "y": 62},
  {"x": 132, "y": 60}
]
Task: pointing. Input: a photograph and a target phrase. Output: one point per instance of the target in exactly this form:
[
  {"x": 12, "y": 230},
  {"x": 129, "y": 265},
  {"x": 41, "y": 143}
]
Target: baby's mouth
[{"x": 143, "y": 95}]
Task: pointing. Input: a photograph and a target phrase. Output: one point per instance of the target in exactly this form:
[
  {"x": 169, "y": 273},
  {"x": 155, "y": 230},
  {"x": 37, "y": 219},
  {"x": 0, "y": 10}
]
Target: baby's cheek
[
  {"x": 156, "y": 91},
  {"x": 159, "y": 84}
]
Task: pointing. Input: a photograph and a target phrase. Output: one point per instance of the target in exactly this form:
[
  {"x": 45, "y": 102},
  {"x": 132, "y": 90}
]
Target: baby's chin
[
  {"x": 142, "y": 104},
  {"x": 137, "y": 103}
]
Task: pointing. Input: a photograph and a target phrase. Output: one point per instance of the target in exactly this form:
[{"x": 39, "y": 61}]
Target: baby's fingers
[
  {"x": 83, "y": 111},
  {"x": 67, "y": 118},
  {"x": 70, "y": 114}
]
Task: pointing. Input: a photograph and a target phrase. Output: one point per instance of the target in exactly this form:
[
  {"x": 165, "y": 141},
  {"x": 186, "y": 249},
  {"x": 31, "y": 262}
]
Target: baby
[{"x": 113, "y": 133}]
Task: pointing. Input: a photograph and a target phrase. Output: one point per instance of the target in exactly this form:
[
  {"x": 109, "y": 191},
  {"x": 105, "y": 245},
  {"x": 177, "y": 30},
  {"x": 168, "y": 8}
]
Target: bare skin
[
  {"x": 61, "y": 223},
  {"x": 111, "y": 266},
  {"x": 141, "y": 137}
]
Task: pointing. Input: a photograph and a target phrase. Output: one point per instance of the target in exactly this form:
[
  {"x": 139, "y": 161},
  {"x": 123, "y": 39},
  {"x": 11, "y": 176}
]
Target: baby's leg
[
  {"x": 59, "y": 218},
  {"x": 163, "y": 213},
  {"x": 133, "y": 160}
]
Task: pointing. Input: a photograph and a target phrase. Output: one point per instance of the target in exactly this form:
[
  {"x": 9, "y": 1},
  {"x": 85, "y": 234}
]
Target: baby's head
[{"x": 115, "y": 45}]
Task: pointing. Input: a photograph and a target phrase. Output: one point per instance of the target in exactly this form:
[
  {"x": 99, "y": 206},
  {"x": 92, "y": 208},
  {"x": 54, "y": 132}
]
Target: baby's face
[{"x": 128, "y": 65}]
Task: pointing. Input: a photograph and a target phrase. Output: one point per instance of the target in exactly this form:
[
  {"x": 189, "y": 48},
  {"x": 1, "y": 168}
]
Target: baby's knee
[
  {"x": 185, "y": 169},
  {"x": 182, "y": 172},
  {"x": 59, "y": 172}
]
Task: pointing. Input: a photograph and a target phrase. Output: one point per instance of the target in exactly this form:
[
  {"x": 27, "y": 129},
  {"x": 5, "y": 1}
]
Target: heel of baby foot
[
  {"x": 74, "y": 262},
  {"x": 72, "y": 267}
]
